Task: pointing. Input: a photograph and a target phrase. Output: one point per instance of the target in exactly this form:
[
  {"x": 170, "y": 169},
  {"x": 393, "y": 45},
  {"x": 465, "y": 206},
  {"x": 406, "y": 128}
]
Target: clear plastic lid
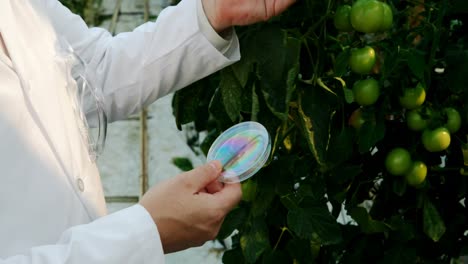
[{"x": 242, "y": 149}]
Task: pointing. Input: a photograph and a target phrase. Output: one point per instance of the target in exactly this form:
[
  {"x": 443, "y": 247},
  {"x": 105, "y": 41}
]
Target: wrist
[{"x": 209, "y": 7}]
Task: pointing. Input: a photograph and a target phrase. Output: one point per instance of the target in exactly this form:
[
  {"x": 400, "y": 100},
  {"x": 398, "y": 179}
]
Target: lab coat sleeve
[
  {"x": 135, "y": 68},
  {"x": 128, "y": 236}
]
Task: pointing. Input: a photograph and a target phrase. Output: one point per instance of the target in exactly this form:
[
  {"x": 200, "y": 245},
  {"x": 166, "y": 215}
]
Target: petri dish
[{"x": 242, "y": 150}]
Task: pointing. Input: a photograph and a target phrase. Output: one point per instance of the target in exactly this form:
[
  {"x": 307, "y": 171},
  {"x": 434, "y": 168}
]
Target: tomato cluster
[
  {"x": 367, "y": 16},
  {"x": 420, "y": 118},
  {"x": 374, "y": 17},
  {"x": 435, "y": 137},
  {"x": 399, "y": 163}
]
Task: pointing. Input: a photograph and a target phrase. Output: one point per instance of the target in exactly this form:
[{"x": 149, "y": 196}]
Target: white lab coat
[{"x": 50, "y": 191}]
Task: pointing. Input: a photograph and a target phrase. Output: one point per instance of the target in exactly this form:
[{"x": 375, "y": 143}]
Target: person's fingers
[
  {"x": 281, "y": 5},
  {"x": 214, "y": 187},
  {"x": 198, "y": 178},
  {"x": 230, "y": 195}
]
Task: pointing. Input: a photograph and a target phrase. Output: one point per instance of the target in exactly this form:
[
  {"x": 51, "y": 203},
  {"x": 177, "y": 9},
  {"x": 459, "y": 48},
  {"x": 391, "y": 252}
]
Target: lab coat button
[{"x": 80, "y": 184}]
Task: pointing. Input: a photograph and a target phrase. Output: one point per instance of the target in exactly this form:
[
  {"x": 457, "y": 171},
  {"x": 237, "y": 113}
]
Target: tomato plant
[{"x": 326, "y": 194}]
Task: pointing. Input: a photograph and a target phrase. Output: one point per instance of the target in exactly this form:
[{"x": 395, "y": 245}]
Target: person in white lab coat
[{"x": 52, "y": 208}]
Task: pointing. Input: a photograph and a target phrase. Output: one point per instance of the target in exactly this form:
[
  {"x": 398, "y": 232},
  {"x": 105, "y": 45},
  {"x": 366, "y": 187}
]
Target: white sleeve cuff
[
  {"x": 224, "y": 45},
  {"x": 127, "y": 236}
]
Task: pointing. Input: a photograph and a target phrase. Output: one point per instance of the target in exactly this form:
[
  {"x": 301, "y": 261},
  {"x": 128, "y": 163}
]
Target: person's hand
[
  {"x": 223, "y": 14},
  {"x": 190, "y": 208}
]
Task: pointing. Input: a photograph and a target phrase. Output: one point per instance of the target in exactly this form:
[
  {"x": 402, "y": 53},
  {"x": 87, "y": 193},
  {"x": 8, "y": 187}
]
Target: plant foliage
[{"x": 325, "y": 195}]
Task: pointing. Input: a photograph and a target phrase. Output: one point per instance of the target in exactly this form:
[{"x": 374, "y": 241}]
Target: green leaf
[
  {"x": 255, "y": 241},
  {"x": 265, "y": 195},
  {"x": 370, "y": 133},
  {"x": 289, "y": 202},
  {"x": 242, "y": 70},
  {"x": 402, "y": 230},
  {"x": 231, "y": 91},
  {"x": 341, "y": 63},
  {"x": 208, "y": 141},
  {"x": 324, "y": 86},
  {"x": 342, "y": 174},
  {"x": 218, "y": 111},
  {"x": 267, "y": 118},
  {"x": 255, "y": 104},
  {"x": 315, "y": 223},
  {"x": 234, "y": 220},
  {"x": 182, "y": 163},
  {"x": 185, "y": 103},
  {"x": 277, "y": 65},
  {"x": 417, "y": 63},
  {"x": 348, "y": 95},
  {"x": 300, "y": 249},
  {"x": 400, "y": 254},
  {"x": 316, "y": 110},
  {"x": 366, "y": 223},
  {"x": 341, "y": 146},
  {"x": 433, "y": 224}
]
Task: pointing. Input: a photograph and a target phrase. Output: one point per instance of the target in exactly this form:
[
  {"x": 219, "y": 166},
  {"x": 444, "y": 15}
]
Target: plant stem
[{"x": 279, "y": 238}]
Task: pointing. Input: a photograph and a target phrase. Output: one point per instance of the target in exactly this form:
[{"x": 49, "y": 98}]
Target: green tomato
[
  {"x": 415, "y": 121},
  {"x": 367, "y": 16},
  {"x": 436, "y": 140},
  {"x": 362, "y": 60},
  {"x": 387, "y": 17},
  {"x": 453, "y": 119},
  {"x": 356, "y": 120},
  {"x": 341, "y": 19},
  {"x": 416, "y": 174},
  {"x": 366, "y": 92},
  {"x": 398, "y": 161},
  {"x": 413, "y": 97}
]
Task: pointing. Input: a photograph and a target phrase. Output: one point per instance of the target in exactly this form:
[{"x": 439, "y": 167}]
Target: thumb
[{"x": 202, "y": 176}]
